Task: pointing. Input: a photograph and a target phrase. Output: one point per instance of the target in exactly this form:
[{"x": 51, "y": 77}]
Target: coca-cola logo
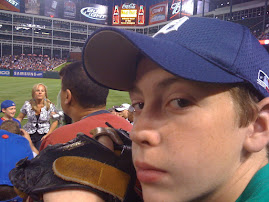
[
  {"x": 93, "y": 13},
  {"x": 128, "y": 6}
]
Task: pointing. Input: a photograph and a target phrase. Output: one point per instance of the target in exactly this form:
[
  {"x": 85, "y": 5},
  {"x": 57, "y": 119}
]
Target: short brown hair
[
  {"x": 246, "y": 101},
  {"x": 11, "y": 126}
]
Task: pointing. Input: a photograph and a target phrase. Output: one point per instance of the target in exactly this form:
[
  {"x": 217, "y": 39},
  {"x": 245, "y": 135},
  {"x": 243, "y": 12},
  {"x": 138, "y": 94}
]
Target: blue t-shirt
[
  {"x": 258, "y": 187},
  {"x": 2, "y": 120}
]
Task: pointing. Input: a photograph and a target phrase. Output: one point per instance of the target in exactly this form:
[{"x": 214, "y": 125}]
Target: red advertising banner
[
  {"x": 10, "y": 5},
  {"x": 128, "y": 14},
  {"x": 158, "y": 13},
  {"x": 264, "y": 42}
]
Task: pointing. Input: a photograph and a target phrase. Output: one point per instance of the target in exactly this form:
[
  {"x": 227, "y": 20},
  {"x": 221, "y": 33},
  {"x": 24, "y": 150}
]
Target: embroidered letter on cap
[{"x": 172, "y": 26}]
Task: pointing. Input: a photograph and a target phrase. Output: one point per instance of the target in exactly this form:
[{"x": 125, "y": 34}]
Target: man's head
[
  {"x": 199, "y": 91},
  {"x": 87, "y": 93},
  {"x": 11, "y": 126},
  {"x": 122, "y": 110},
  {"x": 8, "y": 107}
]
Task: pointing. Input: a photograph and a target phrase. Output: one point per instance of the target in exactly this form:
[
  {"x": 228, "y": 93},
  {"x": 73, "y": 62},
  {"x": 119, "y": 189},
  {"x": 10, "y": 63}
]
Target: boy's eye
[
  {"x": 180, "y": 103},
  {"x": 137, "y": 107}
]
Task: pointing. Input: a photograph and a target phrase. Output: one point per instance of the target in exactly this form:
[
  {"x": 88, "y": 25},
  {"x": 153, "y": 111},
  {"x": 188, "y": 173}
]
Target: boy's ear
[{"x": 258, "y": 138}]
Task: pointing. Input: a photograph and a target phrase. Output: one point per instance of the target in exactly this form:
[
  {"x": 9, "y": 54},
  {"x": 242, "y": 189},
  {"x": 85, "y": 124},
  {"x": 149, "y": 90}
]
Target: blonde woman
[{"x": 38, "y": 111}]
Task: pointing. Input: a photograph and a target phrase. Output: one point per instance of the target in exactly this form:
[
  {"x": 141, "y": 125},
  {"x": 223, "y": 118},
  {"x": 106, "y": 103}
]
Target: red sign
[
  {"x": 264, "y": 42},
  {"x": 158, "y": 13},
  {"x": 128, "y": 14}
]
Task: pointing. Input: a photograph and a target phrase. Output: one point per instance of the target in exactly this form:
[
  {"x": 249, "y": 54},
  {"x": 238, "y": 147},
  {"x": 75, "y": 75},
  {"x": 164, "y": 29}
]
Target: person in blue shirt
[{"x": 13, "y": 148}]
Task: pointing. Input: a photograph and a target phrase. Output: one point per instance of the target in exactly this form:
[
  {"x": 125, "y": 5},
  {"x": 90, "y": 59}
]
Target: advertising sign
[
  {"x": 4, "y": 72},
  {"x": 128, "y": 14},
  {"x": 158, "y": 13},
  {"x": 52, "y": 8},
  {"x": 183, "y": 7},
  {"x": 264, "y": 42},
  {"x": 32, "y": 7},
  {"x": 94, "y": 13},
  {"x": 69, "y": 9},
  {"x": 10, "y": 5},
  {"x": 20, "y": 73}
]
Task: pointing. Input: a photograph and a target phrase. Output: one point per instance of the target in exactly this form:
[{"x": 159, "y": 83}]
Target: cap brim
[
  {"x": 110, "y": 58},
  {"x": 119, "y": 110}
]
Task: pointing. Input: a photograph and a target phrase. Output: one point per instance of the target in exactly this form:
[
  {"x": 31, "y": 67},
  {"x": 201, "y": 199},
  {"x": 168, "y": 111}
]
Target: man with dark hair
[
  {"x": 87, "y": 93},
  {"x": 85, "y": 102}
]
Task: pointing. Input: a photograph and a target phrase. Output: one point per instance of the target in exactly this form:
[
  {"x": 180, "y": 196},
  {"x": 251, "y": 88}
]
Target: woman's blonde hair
[{"x": 46, "y": 101}]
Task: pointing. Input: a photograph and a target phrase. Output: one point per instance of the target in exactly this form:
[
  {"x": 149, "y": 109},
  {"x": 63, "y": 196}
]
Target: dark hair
[
  {"x": 85, "y": 91},
  {"x": 11, "y": 126}
]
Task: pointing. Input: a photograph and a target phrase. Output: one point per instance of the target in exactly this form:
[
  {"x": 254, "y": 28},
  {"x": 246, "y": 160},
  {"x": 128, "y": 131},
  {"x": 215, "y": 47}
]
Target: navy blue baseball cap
[
  {"x": 6, "y": 104},
  {"x": 195, "y": 48}
]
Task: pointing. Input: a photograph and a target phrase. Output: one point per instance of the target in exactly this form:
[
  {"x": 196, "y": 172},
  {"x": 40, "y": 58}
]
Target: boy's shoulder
[
  {"x": 1, "y": 120},
  {"x": 258, "y": 187}
]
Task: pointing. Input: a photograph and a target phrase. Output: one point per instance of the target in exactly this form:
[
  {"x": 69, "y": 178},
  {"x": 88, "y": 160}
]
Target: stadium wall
[{"x": 33, "y": 74}]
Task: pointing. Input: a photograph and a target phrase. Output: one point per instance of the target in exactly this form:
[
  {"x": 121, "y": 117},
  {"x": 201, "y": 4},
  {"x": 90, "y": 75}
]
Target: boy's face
[
  {"x": 9, "y": 112},
  {"x": 186, "y": 141}
]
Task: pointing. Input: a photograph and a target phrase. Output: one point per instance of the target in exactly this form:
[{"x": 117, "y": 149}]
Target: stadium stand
[
  {"x": 30, "y": 62},
  {"x": 55, "y": 33}
]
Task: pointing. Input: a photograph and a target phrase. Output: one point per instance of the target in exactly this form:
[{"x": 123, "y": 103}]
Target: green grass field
[
  {"x": 61, "y": 66},
  {"x": 19, "y": 90}
]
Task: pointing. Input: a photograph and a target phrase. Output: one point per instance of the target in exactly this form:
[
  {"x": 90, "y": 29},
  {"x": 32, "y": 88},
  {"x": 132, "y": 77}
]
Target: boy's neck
[{"x": 7, "y": 117}]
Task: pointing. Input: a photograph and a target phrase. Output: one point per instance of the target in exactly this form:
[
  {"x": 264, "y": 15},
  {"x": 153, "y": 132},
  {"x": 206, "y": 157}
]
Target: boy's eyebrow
[
  {"x": 169, "y": 81},
  {"x": 164, "y": 83}
]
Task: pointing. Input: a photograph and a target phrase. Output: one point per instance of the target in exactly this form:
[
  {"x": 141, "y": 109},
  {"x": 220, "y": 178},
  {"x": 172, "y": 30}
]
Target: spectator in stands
[
  {"x": 123, "y": 110},
  {"x": 8, "y": 107},
  {"x": 35, "y": 63},
  {"x": 85, "y": 102},
  {"x": 13, "y": 127},
  {"x": 13, "y": 148},
  {"x": 38, "y": 110}
]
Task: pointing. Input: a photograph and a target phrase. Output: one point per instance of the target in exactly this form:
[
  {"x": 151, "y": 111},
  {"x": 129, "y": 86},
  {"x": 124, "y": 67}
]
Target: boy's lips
[{"x": 147, "y": 173}]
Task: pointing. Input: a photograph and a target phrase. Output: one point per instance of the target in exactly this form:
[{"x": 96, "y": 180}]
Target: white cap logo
[{"x": 172, "y": 26}]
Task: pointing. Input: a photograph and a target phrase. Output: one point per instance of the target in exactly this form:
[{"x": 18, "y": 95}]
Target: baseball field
[{"x": 19, "y": 90}]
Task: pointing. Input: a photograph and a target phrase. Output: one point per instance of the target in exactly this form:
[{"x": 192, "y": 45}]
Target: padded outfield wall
[{"x": 33, "y": 74}]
